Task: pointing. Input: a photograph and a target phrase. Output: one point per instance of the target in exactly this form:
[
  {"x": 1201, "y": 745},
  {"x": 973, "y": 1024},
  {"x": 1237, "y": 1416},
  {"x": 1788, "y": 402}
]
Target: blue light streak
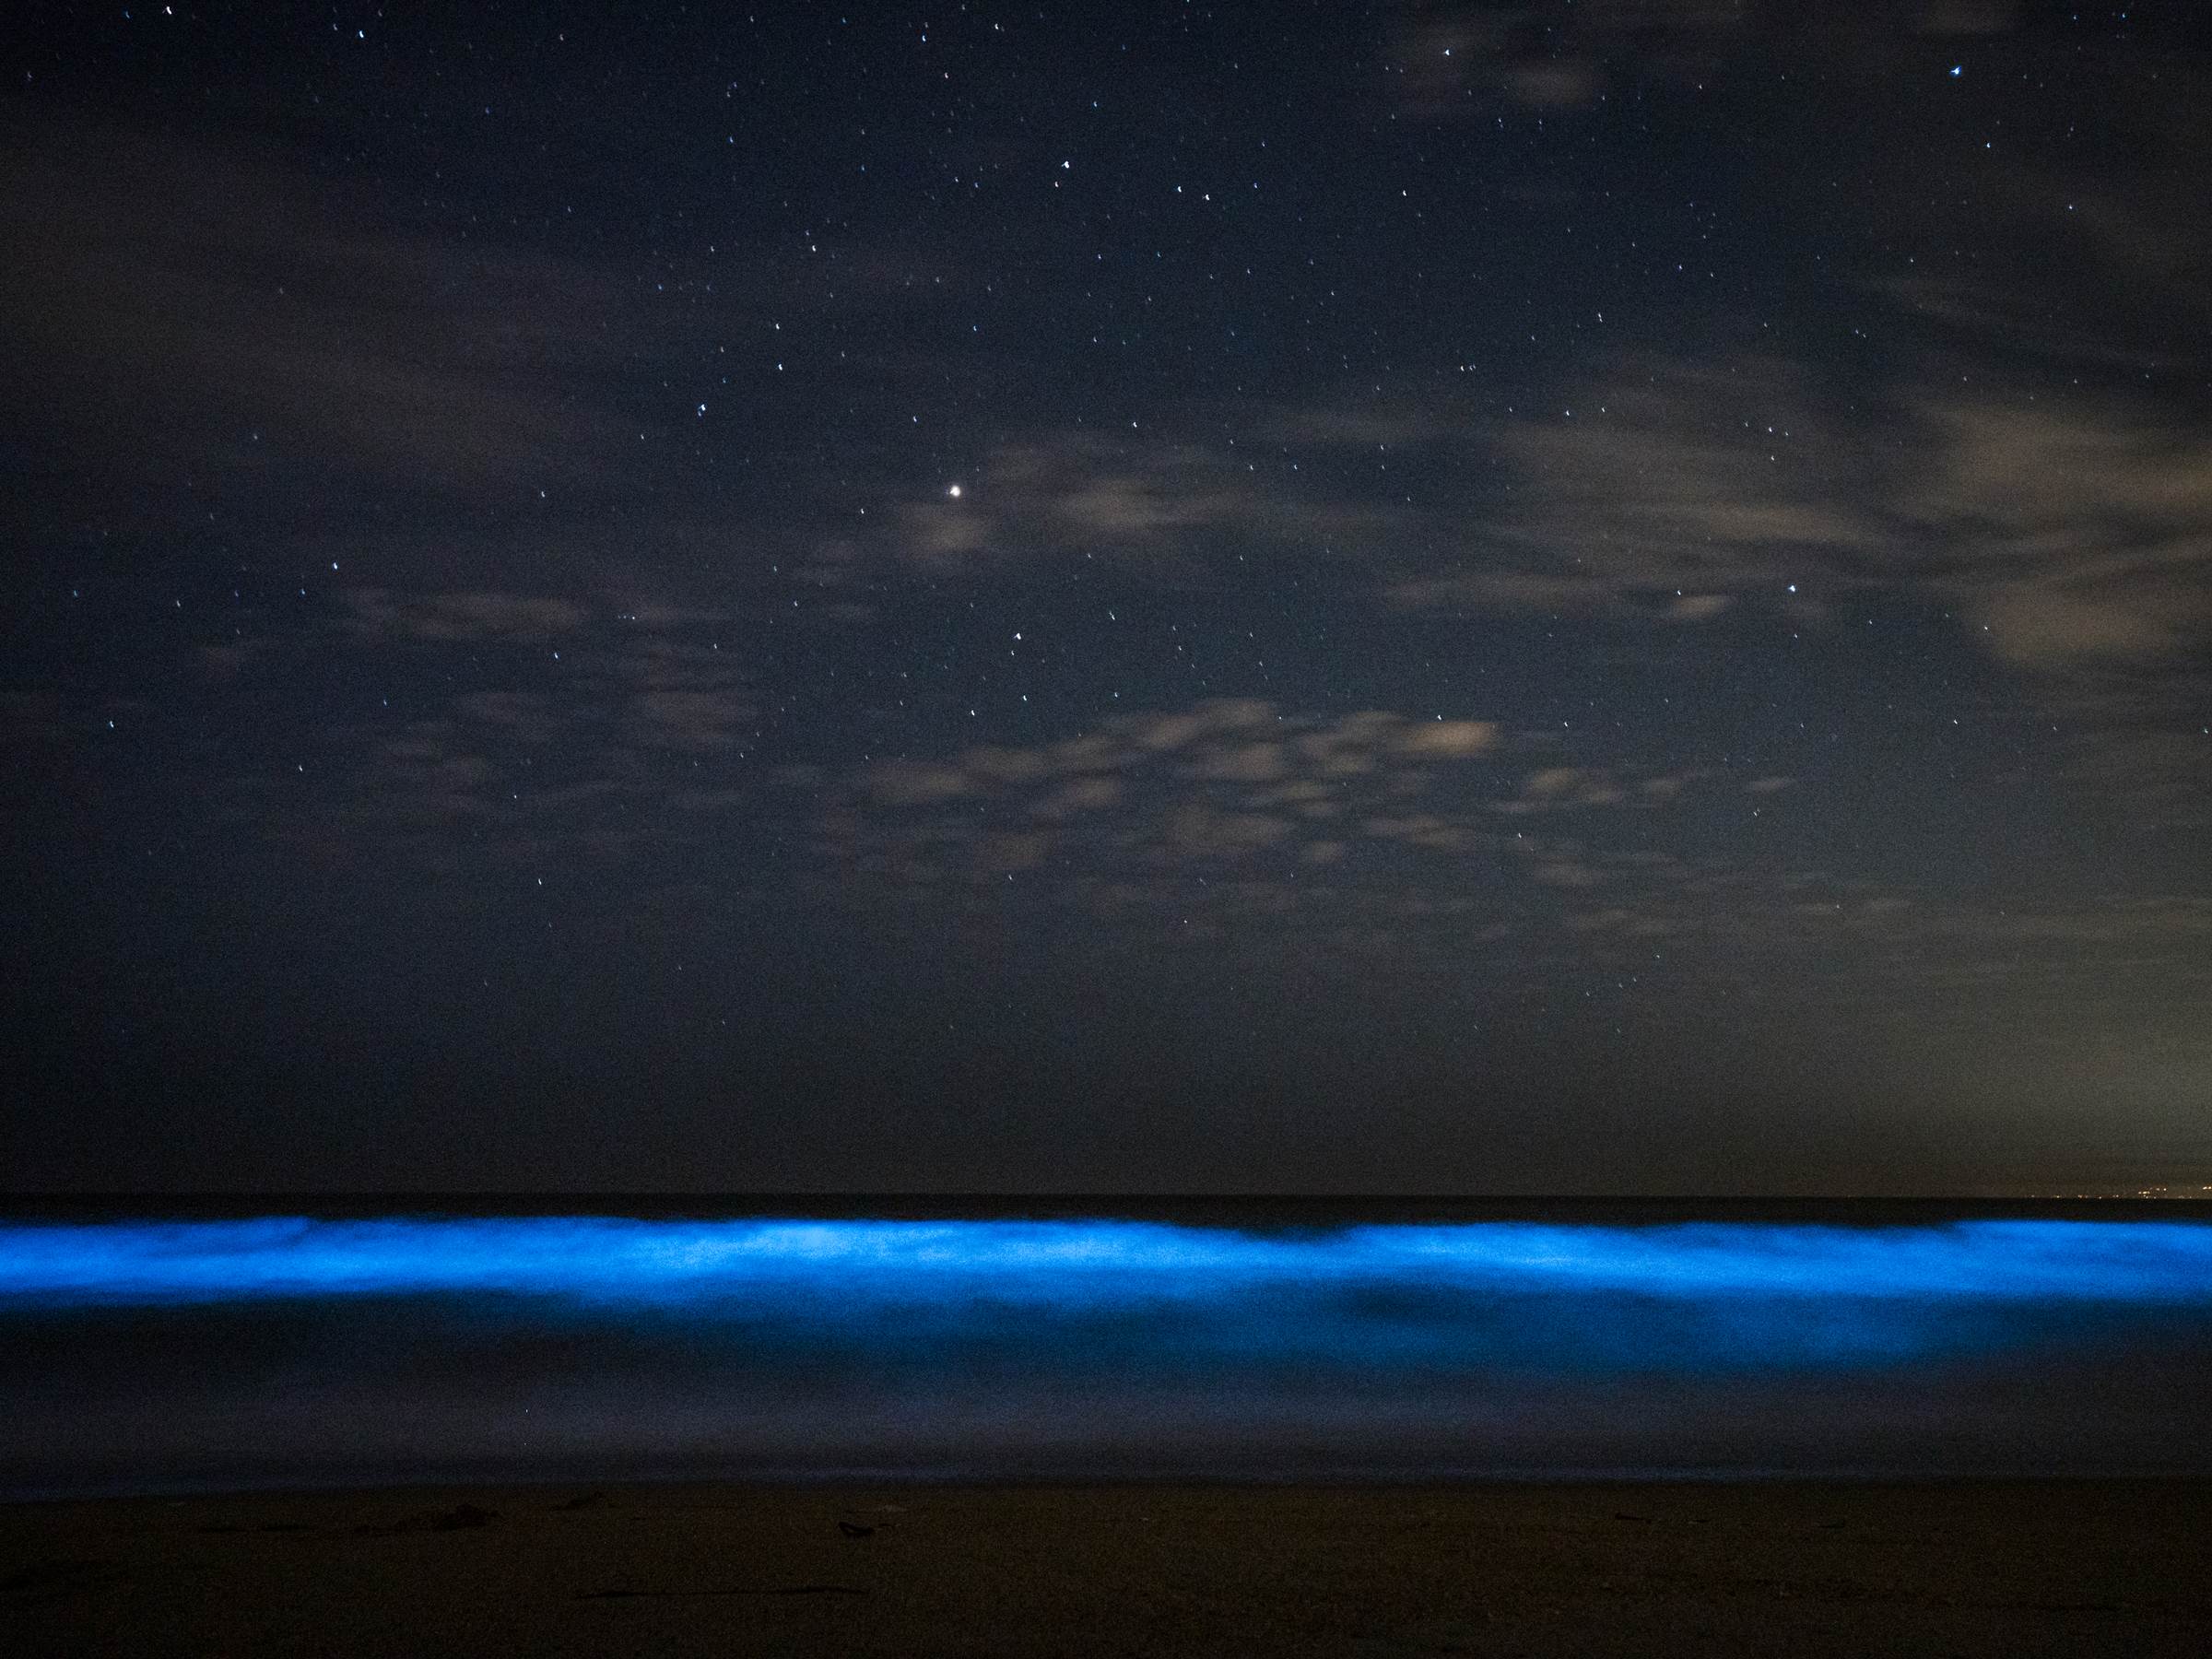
[{"x": 1696, "y": 1298}]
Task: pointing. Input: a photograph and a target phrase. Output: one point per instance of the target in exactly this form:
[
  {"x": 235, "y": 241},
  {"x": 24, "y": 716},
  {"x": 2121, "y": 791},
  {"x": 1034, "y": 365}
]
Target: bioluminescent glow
[
  {"x": 286, "y": 1348},
  {"x": 1697, "y": 1297}
]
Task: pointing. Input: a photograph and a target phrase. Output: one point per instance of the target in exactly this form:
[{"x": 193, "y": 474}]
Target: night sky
[{"x": 1564, "y": 597}]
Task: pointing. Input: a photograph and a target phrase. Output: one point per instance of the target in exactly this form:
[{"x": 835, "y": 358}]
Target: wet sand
[{"x": 1797, "y": 1568}]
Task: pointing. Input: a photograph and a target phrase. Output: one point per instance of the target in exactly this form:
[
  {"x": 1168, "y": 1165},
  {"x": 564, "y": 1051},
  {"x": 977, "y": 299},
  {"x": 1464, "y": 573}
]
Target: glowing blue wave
[
  {"x": 1698, "y": 1297},
  {"x": 1084, "y": 1262}
]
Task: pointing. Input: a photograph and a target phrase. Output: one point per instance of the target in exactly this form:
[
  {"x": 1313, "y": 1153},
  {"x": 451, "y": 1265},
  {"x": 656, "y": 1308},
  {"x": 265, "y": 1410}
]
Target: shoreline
[
  {"x": 800, "y": 1481},
  {"x": 1987, "y": 1565}
]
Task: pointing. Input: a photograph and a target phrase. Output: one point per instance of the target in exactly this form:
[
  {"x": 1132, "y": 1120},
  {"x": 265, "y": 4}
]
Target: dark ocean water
[{"x": 318, "y": 1343}]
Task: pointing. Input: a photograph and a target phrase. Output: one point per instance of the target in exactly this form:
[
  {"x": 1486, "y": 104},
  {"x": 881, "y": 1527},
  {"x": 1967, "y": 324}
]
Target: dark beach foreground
[{"x": 1958, "y": 1567}]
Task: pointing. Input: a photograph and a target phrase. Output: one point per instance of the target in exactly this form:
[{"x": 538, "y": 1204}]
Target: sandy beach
[{"x": 2011, "y": 1568}]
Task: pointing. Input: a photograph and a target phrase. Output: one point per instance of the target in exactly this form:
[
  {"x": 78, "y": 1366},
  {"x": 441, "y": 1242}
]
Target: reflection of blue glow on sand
[{"x": 1689, "y": 1296}]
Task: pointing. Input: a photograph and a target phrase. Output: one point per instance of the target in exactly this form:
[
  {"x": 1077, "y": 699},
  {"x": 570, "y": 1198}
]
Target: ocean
[{"x": 150, "y": 1347}]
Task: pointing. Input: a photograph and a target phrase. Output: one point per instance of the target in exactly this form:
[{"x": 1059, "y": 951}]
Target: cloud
[
  {"x": 915, "y": 782},
  {"x": 694, "y": 719},
  {"x": 1238, "y": 807},
  {"x": 1153, "y": 501},
  {"x": 1149, "y": 794},
  {"x": 2160, "y": 765},
  {"x": 336, "y": 370},
  {"x": 2049, "y": 626},
  {"x": 1565, "y": 873},
  {"x": 1679, "y": 475},
  {"x": 174, "y": 302},
  {"x": 557, "y": 733},
  {"x": 1071, "y": 492},
  {"x": 2071, "y": 533},
  {"x": 1080, "y": 796},
  {"x": 1459, "y": 61},
  {"x": 2062, "y": 532},
  {"x": 1244, "y": 763},
  {"x": 1359, "y": 427},
  {"x": 1698, "y": 607},
  {"x": 1560, "y": 788},
  {"x": 530, "y": 716},
  {"x": 1198, "y": 829},
  {"x": 1452, "y": 739},
  {"x": 463, "y": 616}
]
